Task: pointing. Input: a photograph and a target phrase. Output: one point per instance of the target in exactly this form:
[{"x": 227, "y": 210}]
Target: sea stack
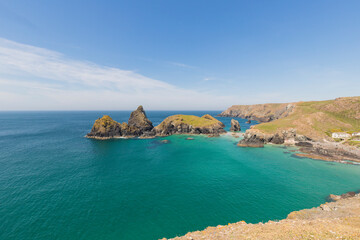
[
  {"x": 235, "y": 126},
  {"x": 139, "y": 120},
  {"x": 138, "y": 126}
]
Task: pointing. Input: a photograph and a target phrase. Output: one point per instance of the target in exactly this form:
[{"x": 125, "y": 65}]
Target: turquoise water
[{"x": 56, "y": 184}]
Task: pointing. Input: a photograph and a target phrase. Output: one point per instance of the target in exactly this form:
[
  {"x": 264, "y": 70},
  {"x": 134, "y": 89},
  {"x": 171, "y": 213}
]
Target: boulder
[{"x": 235, "y": 126}]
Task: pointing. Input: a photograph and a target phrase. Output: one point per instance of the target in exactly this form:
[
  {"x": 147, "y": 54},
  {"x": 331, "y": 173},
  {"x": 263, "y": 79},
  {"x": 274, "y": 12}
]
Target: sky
[{"x": 176, "y": 55}]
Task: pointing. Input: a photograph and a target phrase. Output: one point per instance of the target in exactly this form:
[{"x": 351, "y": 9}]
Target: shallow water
[{"x": 56, "y": 184}]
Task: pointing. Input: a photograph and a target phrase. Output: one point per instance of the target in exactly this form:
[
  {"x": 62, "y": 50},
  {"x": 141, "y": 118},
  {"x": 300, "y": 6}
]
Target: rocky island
[{"x": 140, "y": 126}]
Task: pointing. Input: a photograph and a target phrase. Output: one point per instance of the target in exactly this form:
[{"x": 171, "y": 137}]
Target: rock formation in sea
[
  {"x": 235, "y": 126},
  {"x": 139, "y": 120},
  {"x": 140, "y": 126},
  {"x": 189, "y": 124},
  {"x": 105, "y": 128}
]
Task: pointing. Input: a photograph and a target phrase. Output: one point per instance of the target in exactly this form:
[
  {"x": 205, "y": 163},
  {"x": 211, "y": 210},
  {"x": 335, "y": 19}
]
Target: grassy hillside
[
  {"x": 318, "y": 119},
  {"x": 192, "y": 120}
]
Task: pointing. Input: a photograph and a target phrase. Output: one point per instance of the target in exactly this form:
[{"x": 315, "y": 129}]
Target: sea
[{"x": 57, "y": 184}]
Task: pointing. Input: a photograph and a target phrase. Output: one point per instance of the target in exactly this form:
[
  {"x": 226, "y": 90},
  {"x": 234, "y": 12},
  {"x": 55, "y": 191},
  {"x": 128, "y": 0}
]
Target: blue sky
[{"x": 114, "y": 55}]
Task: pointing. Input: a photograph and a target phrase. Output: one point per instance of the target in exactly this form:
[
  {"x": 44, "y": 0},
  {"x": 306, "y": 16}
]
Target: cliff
[
  {"x": 259, "y": 112},
  {"x": 310, "y": 125},
  {"x": 189, "y": 124},
  {"x": 334, "y": 220}
]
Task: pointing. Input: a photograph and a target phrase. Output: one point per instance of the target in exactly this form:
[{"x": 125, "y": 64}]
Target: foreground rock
[
  {"x": 235, "y": 126},
  {"x": 189, "y": 124},
  {"x": 334, "y": 220},
  {"x": 140, "y": 126}
]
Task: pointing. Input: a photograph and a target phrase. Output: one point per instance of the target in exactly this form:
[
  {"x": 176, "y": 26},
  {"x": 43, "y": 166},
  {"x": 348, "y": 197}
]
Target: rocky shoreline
[
  {"x": 338, "y": 219},
  {"x": 327, "y": 151}
]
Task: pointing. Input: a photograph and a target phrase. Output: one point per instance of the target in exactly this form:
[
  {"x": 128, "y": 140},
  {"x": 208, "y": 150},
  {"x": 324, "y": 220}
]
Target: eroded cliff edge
[{"x": 333, "y": 220}]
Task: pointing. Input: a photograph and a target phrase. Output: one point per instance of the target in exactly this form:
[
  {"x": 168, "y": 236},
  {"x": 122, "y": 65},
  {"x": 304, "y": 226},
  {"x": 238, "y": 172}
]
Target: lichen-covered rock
[
  {"x": 189, "y": 124},
  {"x": 138, "y": 126},
  {"x": 235, "y": 126},
  {"x": 104, "y": 128}
]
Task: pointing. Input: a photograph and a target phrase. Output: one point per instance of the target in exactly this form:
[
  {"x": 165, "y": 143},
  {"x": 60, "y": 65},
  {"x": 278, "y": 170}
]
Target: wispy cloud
[
  {"x": 177, "y": 64},
  {"x": 37, "y": 78}
]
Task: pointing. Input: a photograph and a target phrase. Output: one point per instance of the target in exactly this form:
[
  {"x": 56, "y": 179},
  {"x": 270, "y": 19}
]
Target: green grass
[
  {"x": 319, "y": 118},
  {"x": 192, "y": 120}
]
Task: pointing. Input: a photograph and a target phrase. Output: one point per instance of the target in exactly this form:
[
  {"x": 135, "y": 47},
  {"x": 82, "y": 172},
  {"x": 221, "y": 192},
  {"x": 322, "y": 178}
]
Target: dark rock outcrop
[
  {"x": 235, "y": 126},
  {"x": 138, "y": 120},
  {"x": 139, "y": 126},
  {"x": 334, "y": 197}
]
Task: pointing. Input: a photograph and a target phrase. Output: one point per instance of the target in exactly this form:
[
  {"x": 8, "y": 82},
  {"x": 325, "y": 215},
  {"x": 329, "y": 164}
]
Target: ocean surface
[{"x": 57, "y": 184}]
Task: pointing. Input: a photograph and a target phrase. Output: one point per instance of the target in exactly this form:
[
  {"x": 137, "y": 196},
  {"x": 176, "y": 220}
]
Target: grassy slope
[
  {"x": 192, "y": 120},
  {"x": 318, "y": 119}
]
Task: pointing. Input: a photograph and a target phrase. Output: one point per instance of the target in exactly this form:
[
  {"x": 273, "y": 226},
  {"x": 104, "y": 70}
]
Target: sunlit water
[{"x": 56, "y": 184}]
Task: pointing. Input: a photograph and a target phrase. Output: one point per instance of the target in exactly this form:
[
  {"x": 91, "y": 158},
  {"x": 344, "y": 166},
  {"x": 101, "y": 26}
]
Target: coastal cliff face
[
  {"x": 256, "y": 138},
  {"x": 259, "y": 112},
  {"x": 189, "y": 124},
  {"x": 309, "y": 126},
  {"x": 334, "y": 220},
  {"x": 140, "y": 126}
]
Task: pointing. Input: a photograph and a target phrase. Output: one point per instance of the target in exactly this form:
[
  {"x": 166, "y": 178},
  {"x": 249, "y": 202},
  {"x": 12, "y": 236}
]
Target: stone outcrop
[
  {"x": 139, "y": 120},
  {"x": 189, "y": 124},
  {"x": 330, "y": 151},
  {"x": 259, "y": 112},
  {"x": 138, "y": 126},
  {"x": 105, "y": 128},
  {"x": 256, "y": 138},
  {"x": 235, "y": 126},
  {"x": 334, "y": 197}
]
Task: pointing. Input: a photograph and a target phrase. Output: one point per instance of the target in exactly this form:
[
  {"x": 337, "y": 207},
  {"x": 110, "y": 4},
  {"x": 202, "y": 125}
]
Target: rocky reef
[
  {"x": 140, "y": 126},
  {"x": 189, "y": 124},
  {"x": 235, "y": 126}
]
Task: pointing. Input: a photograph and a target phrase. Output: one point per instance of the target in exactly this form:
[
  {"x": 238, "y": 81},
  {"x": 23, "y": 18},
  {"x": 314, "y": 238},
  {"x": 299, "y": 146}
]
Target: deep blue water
[{"x": 56, "y": 184}]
